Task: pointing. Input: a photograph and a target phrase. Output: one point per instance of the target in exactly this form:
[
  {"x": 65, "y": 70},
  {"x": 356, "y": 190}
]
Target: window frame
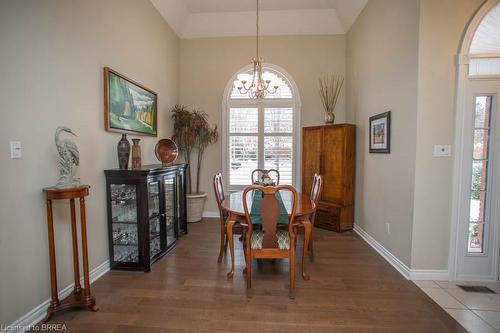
[{"x": 294, "y": 103}]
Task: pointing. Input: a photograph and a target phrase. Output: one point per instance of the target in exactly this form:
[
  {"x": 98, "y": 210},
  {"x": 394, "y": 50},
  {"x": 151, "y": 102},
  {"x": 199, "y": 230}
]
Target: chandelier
[{"x": 258, "y": 84}]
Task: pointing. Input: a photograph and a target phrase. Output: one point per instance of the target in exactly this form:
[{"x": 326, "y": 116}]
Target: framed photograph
[
  {"x": 380, "y": 133},
  {"x": 129, "y": 107}
]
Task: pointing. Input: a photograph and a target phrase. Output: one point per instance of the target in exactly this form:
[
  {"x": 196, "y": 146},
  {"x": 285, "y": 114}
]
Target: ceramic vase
[
  {"x": 123, "y": 149},
  {"x": 329, "y": 117},
  {"x": 136, "y": 154}
]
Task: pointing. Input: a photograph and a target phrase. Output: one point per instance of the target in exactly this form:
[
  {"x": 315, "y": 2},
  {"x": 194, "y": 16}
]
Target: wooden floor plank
[{"x": 352, "y": 289}]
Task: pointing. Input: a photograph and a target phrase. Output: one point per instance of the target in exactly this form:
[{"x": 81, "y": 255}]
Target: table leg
[
  {"x": 230, "y": 238},
  {"x": 52, "y": 257},
  {"x": 307, "y": 237},
  {"x": 86, "y": 293},
  {"x": 76, "y": 264}
]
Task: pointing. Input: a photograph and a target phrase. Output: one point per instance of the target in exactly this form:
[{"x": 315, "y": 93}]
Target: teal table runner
[{"x": 255, "y": 211}]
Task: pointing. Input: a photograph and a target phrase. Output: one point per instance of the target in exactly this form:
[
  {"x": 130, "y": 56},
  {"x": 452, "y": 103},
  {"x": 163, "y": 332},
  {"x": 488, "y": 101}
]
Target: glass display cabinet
[{"x": 146, "y": 214}]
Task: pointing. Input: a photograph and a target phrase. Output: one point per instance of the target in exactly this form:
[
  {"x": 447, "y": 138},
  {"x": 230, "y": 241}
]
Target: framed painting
[
  {"x": 380, "y": 133},
  {"x": 129, "y": 107}
]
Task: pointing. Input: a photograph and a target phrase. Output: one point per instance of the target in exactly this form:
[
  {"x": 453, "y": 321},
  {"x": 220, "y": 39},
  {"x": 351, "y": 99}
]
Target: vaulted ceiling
[{"x": 224, "y": 18}]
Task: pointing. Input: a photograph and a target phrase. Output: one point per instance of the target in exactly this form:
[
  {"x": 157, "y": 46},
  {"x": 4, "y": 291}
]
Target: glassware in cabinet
[{"x": 124, "y": 223}]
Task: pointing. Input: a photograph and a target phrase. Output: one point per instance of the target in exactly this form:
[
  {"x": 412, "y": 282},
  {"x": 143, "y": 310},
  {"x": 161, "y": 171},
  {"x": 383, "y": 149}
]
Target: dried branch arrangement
[{"x": 329, "y": 91}]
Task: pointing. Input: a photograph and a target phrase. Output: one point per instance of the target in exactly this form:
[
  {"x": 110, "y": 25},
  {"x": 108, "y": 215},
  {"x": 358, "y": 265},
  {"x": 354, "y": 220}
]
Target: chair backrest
[
  {"x": 269, "y": 211},
  {"x": 258, "y": 173},
  {"x": 219, "y": 190},
  {"x": 317, "y": 188}
]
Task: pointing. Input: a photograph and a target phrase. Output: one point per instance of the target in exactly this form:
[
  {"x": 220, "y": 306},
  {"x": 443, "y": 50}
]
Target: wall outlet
[
  {"x": 387, "y": 227},
  {"x": 16, "y": 150}
]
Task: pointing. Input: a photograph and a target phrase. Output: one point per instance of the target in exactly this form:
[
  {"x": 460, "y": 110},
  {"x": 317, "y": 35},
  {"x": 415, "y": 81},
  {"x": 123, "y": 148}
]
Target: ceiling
[{"x": 225, "y": 18}]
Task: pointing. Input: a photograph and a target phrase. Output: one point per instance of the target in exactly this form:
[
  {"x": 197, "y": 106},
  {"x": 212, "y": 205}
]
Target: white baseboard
[
  {"x": 401, "y": 267},
  {"x": 211, "y": 214},
  {"x": 38, "y": 313},
  {"x": 386, "y": 254},
  {"x": 429, "y": 274}
]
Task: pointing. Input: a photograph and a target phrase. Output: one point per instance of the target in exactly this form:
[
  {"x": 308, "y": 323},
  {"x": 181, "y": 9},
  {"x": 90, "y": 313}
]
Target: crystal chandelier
[{"x": 258, "y": 84}]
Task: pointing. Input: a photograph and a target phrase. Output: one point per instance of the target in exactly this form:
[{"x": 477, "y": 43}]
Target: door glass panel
[
  {"x": 480, "y": 169},
  {"x": 154, "y": 218},
  {"x": 124, "y": 217},
  {"x": 170, "y": 210}
]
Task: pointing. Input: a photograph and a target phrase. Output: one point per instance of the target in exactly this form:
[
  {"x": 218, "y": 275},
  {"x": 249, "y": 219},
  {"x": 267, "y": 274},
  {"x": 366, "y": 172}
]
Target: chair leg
[
  {"x": 223, "y": 238},
  {"x": 307, "y": 237},
  {"x": 229, "y": 231},
  {"x": 311, "y": 241},
  {"x": 292, "y": 269},
  {"x": 248, "y": 259}
]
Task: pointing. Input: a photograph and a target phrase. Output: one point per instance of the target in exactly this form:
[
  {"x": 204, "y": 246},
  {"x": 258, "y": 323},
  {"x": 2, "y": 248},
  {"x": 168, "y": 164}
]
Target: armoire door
[
  {"x": 311, "y": 156},
  {"x": 332, "y": 164}
]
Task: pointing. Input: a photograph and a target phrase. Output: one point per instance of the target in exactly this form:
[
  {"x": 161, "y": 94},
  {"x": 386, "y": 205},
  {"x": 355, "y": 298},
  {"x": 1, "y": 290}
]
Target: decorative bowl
[{"x": 166, "y": 151}]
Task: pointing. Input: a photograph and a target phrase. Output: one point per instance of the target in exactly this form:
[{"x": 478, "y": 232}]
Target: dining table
[{"x": 233, "y": 206}]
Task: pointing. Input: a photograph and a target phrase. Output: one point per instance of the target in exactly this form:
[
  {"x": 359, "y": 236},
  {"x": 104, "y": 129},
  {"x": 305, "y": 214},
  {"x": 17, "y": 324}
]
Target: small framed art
[{"x": 380, "y": 133}]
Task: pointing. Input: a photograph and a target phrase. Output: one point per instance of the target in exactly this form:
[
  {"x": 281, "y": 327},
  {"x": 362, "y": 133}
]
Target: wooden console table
[{"x": 81, "y": 297}]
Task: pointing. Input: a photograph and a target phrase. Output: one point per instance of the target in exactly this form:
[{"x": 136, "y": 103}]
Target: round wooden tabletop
[{"x": 233, "y": 203}]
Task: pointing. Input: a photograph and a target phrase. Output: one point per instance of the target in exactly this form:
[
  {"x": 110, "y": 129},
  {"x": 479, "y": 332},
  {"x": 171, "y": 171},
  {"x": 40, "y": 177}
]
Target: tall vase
[
  {"x": 123, "y": 149},
  {"x": 136, "y": 154}
]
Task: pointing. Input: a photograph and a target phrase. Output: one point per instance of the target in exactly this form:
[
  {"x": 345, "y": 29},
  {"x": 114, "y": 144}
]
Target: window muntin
[{"x": 480, "y": 168}]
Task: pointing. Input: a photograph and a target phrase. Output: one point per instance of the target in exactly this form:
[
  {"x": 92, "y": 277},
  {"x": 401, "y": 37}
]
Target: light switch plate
[
  {"x": 442, "y": 150},
  {"x": 16, "y": 150}
]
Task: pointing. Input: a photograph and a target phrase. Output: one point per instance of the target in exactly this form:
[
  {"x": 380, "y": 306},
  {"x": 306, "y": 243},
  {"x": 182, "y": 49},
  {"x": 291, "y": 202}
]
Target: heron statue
[{"x": 68, "y": 158}]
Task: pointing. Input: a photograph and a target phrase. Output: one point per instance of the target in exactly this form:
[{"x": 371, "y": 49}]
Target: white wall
[
  {"x": 442, "y": 25},
  {"x": 51, "y": 59},
  {"x": 207, "y": 64},
  {"x": 382, "y": 49}
]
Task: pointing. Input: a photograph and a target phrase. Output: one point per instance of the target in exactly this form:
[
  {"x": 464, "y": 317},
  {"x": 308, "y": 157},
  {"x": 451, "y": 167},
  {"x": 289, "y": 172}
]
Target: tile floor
[{"x": 477, "y": 312}]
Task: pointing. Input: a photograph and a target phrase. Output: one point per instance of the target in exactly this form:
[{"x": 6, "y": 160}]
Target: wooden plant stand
[{"x": 81, "y": 297}]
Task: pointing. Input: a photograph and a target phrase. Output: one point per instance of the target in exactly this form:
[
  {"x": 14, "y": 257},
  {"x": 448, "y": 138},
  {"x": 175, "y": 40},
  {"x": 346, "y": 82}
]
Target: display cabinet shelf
[{"x": 146, "y": 214}]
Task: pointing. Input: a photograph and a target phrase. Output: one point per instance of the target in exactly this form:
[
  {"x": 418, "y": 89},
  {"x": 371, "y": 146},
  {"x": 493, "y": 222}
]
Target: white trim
[
  {"x": 38, "y": 313},
  {"x": 401, "y": 267},
  {"x": 297, "y": 135},
  {"x": 210, "y": 215},
  {"x": 386, "y": 254},
  {"x": 458, "y": 187},
  {"x": 429, "y": 274}
]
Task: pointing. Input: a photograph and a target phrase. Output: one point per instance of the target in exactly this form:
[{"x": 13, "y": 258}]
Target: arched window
[
  {"x": 485, "y": 47},
  {"x": 261, "y": 133}
]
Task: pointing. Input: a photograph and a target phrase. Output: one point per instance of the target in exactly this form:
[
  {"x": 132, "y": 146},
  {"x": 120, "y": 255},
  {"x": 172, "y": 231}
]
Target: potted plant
[{"x": 193, "y": 134}]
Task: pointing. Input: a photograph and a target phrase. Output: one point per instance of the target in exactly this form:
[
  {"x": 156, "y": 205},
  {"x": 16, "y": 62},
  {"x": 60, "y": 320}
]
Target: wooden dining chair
[
  {"x": 258, "y": 173},
  {"x": 269, "y": 242},
  {"x": 223, "y": 215},
  {"x": 317, "y": 188}
]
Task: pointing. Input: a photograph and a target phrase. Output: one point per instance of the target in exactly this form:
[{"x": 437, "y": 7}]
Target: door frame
[{"x": 462, "y": 112}]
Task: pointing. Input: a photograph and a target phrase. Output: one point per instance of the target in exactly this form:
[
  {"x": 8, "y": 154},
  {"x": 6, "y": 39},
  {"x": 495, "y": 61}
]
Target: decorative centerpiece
[
  {"x": 192, "y": 133},
  {"x": 329, "y": 90},
  {"x": 68, "y": 158},
  {"x": 265, "y": 180}
]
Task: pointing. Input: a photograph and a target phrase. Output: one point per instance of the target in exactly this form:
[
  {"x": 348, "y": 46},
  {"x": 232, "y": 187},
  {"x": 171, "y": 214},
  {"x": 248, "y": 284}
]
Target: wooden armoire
[{"x": 330, "y": 151}]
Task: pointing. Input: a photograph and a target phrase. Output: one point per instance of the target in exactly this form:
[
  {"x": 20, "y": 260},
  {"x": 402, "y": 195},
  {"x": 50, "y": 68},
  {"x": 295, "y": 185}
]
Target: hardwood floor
[{"x": 352, "y": 289}]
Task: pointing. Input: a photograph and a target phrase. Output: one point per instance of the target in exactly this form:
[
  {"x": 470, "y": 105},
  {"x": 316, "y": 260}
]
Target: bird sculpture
[{"x": 68, "y": 158}]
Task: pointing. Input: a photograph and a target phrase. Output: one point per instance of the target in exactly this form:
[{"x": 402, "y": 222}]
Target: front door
[{"x": 480, "y": 208}]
